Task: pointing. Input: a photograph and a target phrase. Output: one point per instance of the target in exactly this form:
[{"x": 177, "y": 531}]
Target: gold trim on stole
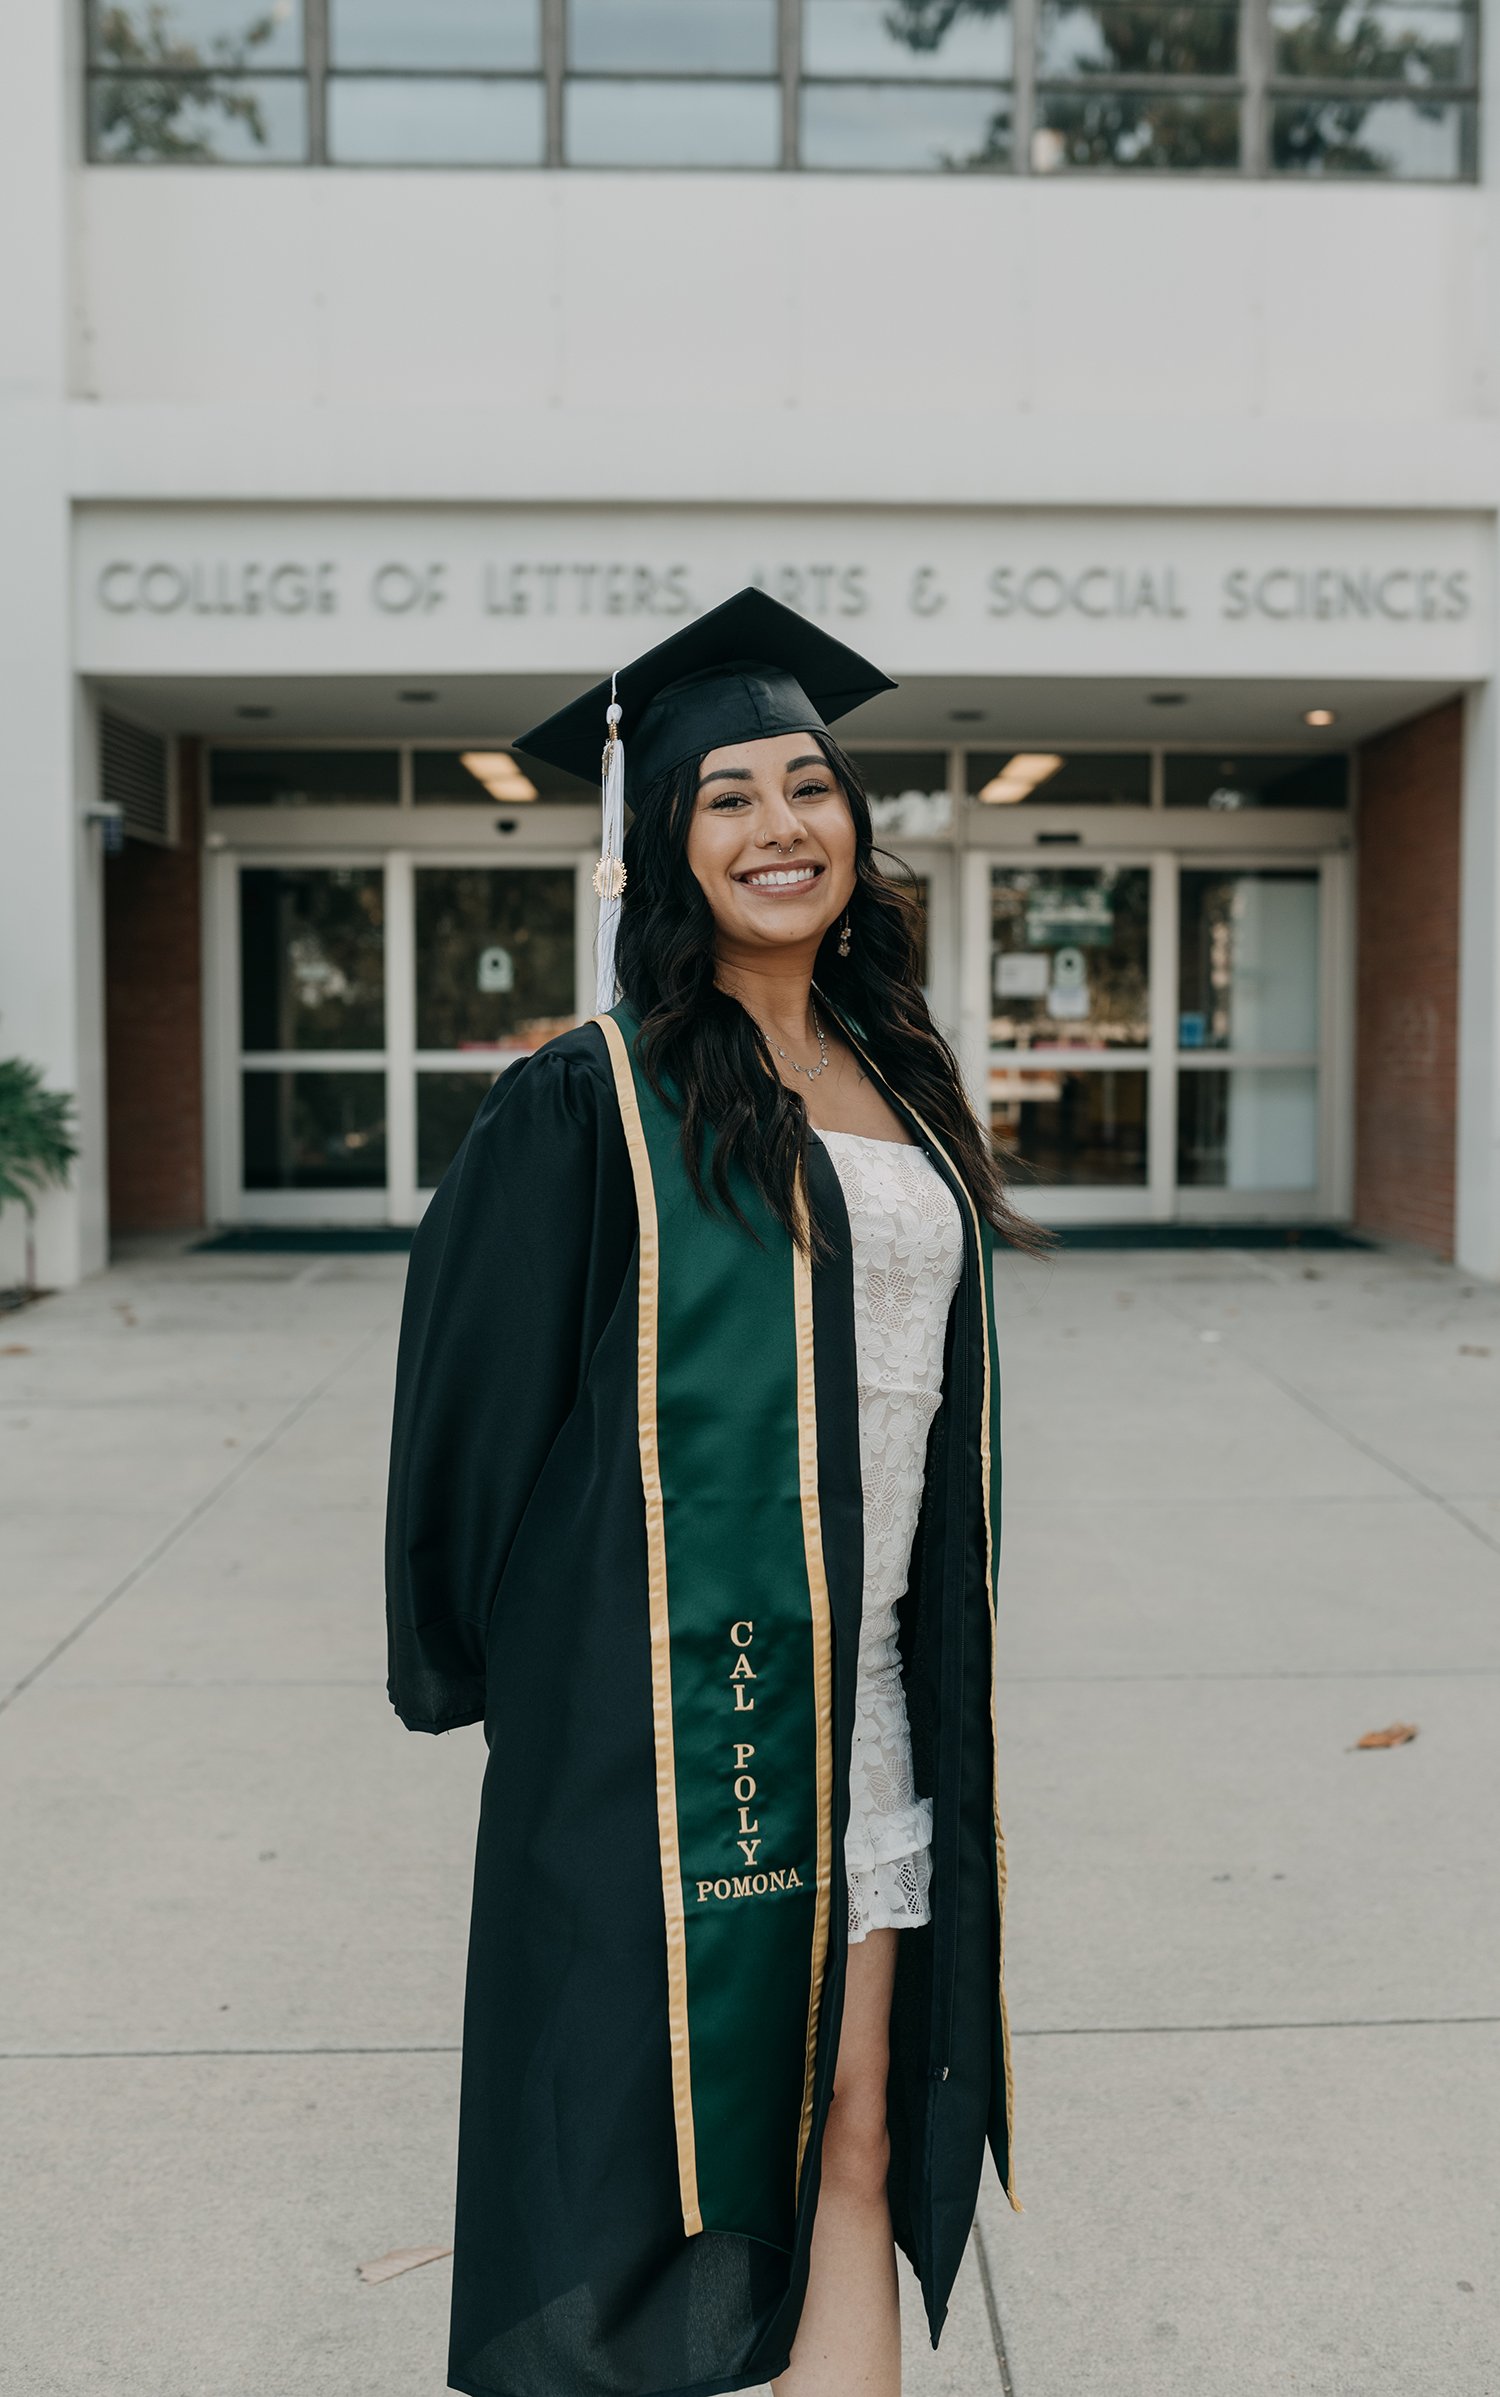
[
  {"x": 661, "y": 1645},
  {"x": 820, "y": 1620},
  {"x": 985, "y": 1465}
]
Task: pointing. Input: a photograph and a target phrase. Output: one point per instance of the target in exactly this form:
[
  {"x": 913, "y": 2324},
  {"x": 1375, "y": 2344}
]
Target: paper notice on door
[
  {"x": 1068, "y": 998},
  {"x": 1022, "y": 974}
]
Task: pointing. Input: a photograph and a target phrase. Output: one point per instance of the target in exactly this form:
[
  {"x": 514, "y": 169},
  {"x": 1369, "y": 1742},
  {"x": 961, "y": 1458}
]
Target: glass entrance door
[
  {"x": 1155, "y": 1034},
  {"x": 1248, "y": 1033},
  {"x": 495, "y": 974},
  {"x": 1070, "y": 1023},
  {"x": 311, "y": 1083},
  {"x": 372, "y": 1004}
]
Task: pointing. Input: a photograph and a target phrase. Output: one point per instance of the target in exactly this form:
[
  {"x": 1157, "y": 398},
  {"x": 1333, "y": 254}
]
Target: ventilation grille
[{"x": 135, "y": 775}]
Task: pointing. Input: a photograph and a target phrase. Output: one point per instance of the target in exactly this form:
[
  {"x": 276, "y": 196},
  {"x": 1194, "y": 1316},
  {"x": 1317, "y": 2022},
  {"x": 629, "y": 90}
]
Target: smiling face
[{"x": 772, "y": 845}]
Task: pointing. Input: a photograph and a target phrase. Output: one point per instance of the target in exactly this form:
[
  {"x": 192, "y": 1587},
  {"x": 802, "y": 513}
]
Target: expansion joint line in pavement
[
  {"x": 997, "y": 2334},
  {"x": 445, "y": 2047},
  {"x": 1316, "y": 2022},
  {"x": 193, "y": 1515}
]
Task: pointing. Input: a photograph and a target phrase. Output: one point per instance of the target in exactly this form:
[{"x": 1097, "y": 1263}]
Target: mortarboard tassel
[{"x": 609, "y": 873}]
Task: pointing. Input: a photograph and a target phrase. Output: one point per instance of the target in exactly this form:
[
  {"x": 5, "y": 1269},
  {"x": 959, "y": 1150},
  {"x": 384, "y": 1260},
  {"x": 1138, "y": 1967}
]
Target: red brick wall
[
  {"x": 153, "y": 963},
  {"x": 1406, "y": 1033}
]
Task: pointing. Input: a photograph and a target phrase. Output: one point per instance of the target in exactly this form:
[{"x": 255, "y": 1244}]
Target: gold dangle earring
[{"x": 844, "y": 935}]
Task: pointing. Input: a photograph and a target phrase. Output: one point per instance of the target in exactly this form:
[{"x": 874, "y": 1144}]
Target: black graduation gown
[{"x": 516, "y": 1595}]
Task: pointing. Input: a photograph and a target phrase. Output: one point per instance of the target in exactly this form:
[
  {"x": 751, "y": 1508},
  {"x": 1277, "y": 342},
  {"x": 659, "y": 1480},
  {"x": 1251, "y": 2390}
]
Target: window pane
[
  {"x": 314, "y": 1131},
  {"x": 1069, "y": 952},
  {"x": 896, "y": 773},
  {"x": 1011, "y": 777},
  {"x": 446, "y": 1105},
  {"x": 1382, "y": 41},
  {"x": 1283, "y": 780},
  {"x": 1070, "y": 1128},
  {"x": 440, "y": 121},
  {"x": 198, "y": 120},
  {"x": 1134, "y": 129},
  {"x": 672, "y": 124},
  {"x": 304, "y": 777},
  {"x": 904, "y": 127},
  {"x": 683, "y": 37},
  {"x": 495, "y": 956},
  {"x": 905, "y": 39},
  {"x": 1407, "y": 140},
  {"x": 312, "y": 957},
  {"x": 178, "y": 35},
  {"x": 1248, "y": 974},
  {"x": 441, "y": 33},
  {"x": 1248, "y": 1129},
  {"x": 1115, "y": 37},
  {"x": 492, "y": 777},
  {"x": 908, "y": 791}
]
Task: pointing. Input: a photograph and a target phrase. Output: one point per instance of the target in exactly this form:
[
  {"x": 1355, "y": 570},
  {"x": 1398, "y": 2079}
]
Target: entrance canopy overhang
[{"x": 978, "y": 710}]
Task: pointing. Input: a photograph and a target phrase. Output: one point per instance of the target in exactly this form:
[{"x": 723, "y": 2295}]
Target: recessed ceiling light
[
  {"x": 500, "y": 775},
  {"x": 1319, "y": 716},
  {"x": 966, "y": 715},
  {"x": 1019, "y": 777},
  {"x": 255, "y": 714},
  {"x": 1167, "y": 699},
  {"x": 415, "y": 698}
]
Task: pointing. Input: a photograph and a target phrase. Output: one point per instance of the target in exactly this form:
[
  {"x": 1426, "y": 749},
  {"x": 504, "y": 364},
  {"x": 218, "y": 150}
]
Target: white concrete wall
[
  {"x": 50, "y": 938},
  {"x": 788, "y": 293}
]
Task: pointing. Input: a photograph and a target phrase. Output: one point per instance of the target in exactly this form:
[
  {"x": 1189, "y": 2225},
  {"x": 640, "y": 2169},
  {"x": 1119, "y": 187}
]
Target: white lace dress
[{"x": 908, "y": 1253}]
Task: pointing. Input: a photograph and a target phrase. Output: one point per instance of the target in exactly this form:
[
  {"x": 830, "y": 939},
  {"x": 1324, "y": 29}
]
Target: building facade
[{"x": 1122, "y": 378}]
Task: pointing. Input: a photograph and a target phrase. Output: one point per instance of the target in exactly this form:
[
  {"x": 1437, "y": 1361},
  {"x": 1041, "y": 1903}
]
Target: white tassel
[{"x": 609, "y": 873}]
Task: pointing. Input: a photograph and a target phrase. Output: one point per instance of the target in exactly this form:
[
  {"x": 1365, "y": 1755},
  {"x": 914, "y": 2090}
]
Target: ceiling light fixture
[
  {"x": 1318, "y": 717},
  {"x": 500, "y": 775},
  {"x": 1019, "y": 777}
]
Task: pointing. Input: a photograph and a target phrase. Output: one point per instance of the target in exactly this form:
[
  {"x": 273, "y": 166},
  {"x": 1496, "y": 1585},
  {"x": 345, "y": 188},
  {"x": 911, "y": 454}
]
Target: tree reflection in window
[
  {"x": 926, "y": 24},
  {"x": 162, "y": 90},
  {"x": 1398, "y": 120}
]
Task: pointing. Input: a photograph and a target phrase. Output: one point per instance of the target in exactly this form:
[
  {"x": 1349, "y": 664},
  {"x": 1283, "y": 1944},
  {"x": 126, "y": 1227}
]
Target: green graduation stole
[{"x": 741, "y": 1670}]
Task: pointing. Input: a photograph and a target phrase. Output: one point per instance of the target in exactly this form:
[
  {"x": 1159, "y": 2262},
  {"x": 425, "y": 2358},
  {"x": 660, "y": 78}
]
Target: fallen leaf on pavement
[
  {"x": 401, "y": 2259},
  {"x": 15, "y": 1348},
  {"x": 1393, "y": 1736}
]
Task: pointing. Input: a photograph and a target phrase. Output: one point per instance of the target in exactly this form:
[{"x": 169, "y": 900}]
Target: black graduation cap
[{"x": 744, "y": 671}]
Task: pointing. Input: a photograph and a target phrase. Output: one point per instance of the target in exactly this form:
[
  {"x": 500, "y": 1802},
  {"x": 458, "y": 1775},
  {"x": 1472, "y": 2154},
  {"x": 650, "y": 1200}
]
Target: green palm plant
[{"x": 36, "y": 1144}]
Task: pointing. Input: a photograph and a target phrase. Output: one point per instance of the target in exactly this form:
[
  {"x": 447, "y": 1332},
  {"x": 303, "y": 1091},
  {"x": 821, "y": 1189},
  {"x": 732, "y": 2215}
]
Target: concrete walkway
[{"x": 1253, "y": 1511}]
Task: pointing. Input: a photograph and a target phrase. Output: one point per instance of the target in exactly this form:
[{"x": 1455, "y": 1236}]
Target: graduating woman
[{"x": 694, "y": 1504}]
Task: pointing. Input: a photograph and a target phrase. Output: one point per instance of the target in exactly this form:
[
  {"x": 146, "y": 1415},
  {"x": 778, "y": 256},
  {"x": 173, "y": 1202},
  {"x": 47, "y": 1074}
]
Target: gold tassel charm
[{"x": 609, "y": 873}]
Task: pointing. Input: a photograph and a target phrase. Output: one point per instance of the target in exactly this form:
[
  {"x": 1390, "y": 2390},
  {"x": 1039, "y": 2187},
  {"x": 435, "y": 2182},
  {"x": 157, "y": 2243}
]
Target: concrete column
[
  {"x": 50, "y": 1009},
  {"x": 1477, "y": 1230}
]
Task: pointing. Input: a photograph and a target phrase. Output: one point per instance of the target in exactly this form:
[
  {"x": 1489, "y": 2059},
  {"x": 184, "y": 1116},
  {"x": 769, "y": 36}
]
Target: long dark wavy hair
[{"x": 701, "y": 1049}]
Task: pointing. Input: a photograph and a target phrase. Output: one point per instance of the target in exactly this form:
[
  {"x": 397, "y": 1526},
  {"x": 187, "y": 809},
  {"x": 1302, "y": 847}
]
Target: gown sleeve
[{"x": 519, "y": 1253}]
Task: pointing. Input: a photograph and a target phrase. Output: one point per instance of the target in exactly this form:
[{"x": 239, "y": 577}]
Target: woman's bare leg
[{"x": 848, "y": 2341}]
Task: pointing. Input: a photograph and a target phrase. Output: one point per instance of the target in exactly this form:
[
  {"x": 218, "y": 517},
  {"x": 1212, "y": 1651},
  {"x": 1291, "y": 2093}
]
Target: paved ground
[{"x": 1253, "y": 1512}]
